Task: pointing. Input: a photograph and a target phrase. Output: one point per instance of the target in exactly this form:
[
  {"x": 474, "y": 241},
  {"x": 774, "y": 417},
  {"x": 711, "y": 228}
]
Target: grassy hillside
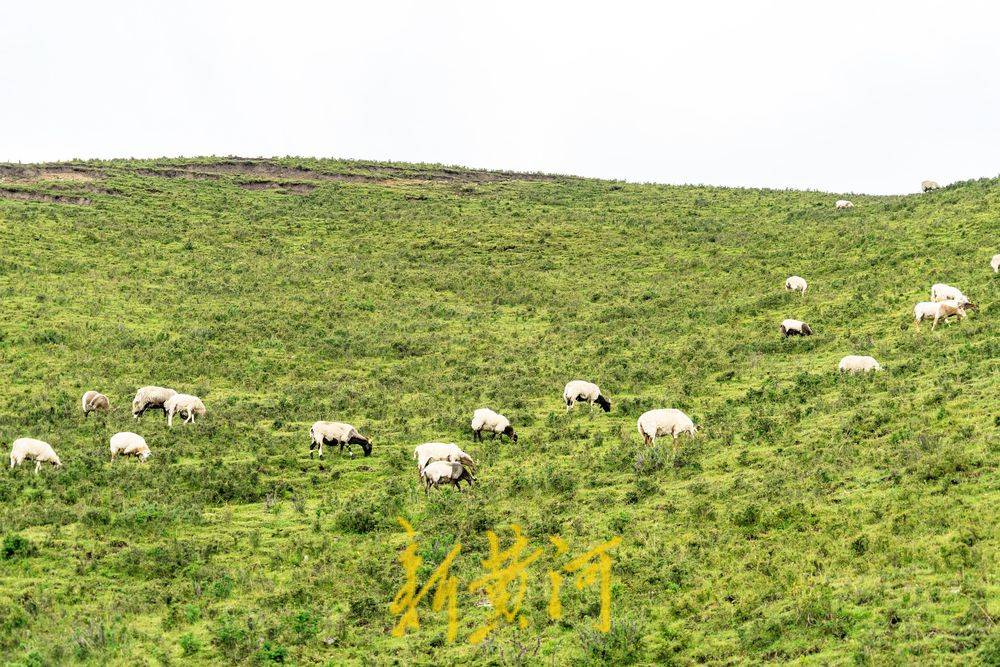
[{"x": 815, "y": 518}]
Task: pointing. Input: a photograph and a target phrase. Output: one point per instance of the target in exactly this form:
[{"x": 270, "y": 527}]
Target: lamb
[
  {"x": 485, "y": 419},
  {"x": 336, "y": 433},
  {"x": 794, "y": 328},
  {"x": 927, "y": 186},
  {"x": 441, "y": 451},
  {"x": 33, "y": 450},
  {"x": 843, "y": 203},
  {"x": 185, "y": 405},
  {"x": 94, "y": 401},
  {"x": 127, "y": 443},
  {"x": 995, "y": 263},
  {"x": 150, "y": 398},
  {"x": 926, "y": 310},
  {"x": 942, "y": 292},
  {"x": 796, "y": 284},
  {"x": 854, "y": 363},
  {"x": 437, "y": 473},
  {"x": 580, "y": 390},
  {"x": 665, "y": 422}
]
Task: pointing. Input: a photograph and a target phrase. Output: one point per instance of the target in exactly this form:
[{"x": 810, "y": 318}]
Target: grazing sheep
[
  {"x": 485, "y": 419},
  {"x": 336, "y": 433},
  {"x": 441, "y": 451},
  {"x": 94, "y": 401},
  {"x": 127, "y": 443},
  {"x": 437, "y": 473},
  {"x": 995, "y": 263},
  {"x": 185, "y": 405},
  {"x": 580, "y": 390},
  {"x": 665, "y": 422},
  {"x": 794, "y": 328},
  {"x": 33, "y": 450},
  {"x": 938, "y": 310},
  {"x": 854, "y": 363},
  {"x": 927, "y": 186},
  {"x": 942, "y": 292},
  {"x": 843, "y": 203},
  {"x": 150, "y": 398},
  {"x": 796, "y": 284}
]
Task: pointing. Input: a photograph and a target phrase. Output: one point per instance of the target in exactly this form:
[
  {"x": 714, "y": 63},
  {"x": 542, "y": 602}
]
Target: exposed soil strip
[
  {"x": 22, "y": 195},
  {"x": 300, "y": 188},
  {"x": 48, "y": 172}
]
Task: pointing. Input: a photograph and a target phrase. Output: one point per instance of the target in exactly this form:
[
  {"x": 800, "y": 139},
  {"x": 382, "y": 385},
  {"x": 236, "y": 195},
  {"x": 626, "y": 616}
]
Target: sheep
[
  {"x": 185, "y": 405},
  {"x": 485, "y": 419},
  {"x": 995, "y": 263},
  {"x": 937, "y": 310},
  {"x": 441, "y": 451},
  {"x": 854, "y": 363},
  {"x": 33, "y": 450},
  {"x": 794, "y": 328},
  {"x": 580, "y": 390},
  {"x": 927, "y": 186},
  {"x": 843, "y": 203},
  {"x": 94, "y": 401},
  {"x": 336, "y": 433},
  {"x": 127, "y": 443},
  {"x": 437, "y": 473},
  {"x": 942, "y": 292},
  {"x": 796, "y": 284},
  {"x": 150, "y": 398},
  {"x": 668, "y": 421}
]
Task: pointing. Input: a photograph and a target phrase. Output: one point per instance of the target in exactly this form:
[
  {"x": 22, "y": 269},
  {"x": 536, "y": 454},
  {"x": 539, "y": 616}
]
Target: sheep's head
[
  {"x": 604, "y": 403},
  {"x": 367, "y": 447},
  {"x": 968, "y": 305},
  {"x": 509, "y": 432},
  {"x": 136, "y": 407},
  {"x": 56, "y": 462}
]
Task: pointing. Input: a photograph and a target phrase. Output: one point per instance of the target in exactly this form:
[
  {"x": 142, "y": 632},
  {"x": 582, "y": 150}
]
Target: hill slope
[{"x": 815, "y": 518}]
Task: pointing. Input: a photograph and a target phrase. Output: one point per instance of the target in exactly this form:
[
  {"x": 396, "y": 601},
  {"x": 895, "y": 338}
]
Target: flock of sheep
[{"x": 445, "y": 463}]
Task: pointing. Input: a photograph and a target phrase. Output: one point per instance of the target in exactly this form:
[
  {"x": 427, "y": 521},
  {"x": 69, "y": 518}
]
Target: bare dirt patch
[
  {"x": 48, "y": 172},
  {"x": 299, "y": 188},
  {"x": 42, "y": 197}
]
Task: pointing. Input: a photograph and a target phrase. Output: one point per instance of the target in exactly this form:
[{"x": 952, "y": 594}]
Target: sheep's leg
[
  {"x": 569, "y": 404},
  {"x": 934, "y": 326},
  {"x": 170, "y": 418},
  {"x": 38, "y": 466}
]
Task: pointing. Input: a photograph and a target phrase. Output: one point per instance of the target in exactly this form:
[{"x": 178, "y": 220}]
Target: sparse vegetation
[{"x": 815, "y": 518}]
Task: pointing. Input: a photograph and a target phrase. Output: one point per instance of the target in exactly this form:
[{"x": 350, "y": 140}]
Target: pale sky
[{"x": 840, "y": 96}]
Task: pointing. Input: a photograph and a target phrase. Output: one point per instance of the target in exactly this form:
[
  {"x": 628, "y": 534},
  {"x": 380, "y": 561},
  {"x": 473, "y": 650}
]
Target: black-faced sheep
[
  {"x": 336, "y": 433},
  {"x": 796, "y": 284},
  {"x": 580, "y": 390},
  {"x": 437, "y": 473},
  {"x": 794, "y": 328},
  {"x": 441, "y": 451},
  {"x": 927, "y": 186},
  {"x": 942, "y": 292},
  {"x": 668, "y": 421},
  {"x": 941, "y": 310},
  {"x": 150, "y": 398},
  {"x": 485, "y": 419}
]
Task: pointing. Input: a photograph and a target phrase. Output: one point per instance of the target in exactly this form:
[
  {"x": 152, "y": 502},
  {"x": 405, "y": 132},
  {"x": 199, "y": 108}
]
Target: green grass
[{"x": 816, "y": 519}]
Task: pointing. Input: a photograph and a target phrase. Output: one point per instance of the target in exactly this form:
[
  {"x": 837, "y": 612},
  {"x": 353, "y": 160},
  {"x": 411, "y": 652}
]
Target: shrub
[{"x": 15, "y": 546}]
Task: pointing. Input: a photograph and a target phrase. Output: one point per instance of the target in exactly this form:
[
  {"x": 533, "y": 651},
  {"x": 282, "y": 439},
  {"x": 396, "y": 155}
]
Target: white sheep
[
  {"x": 843, "y": 203},
  {"x": 441, "y": 451},
  {"x": 669, "y": 421},
  {"x": 942, "y": 292},
  {"x": 796, "y": 284},
  {"x": 854, "y": 363},
  {"x": 127, "y": 443},
  {"x": 794, "y": 328},
  {"x": 485, "y": 419},
  {"x": 94, "y": 401},
  {"x": 33, "y": 450},
  {"x": 437, "y": 473},
  {"x": 185, "y": 405},
  {"x": 927, "y": 186},
  {"x": 336, "y": 433},
  {"x": 580, "y": 390},
  {"x": 150, "y": 398},
  {"x": 938, "y": 310},
  {"x": 995, "y": 263}
]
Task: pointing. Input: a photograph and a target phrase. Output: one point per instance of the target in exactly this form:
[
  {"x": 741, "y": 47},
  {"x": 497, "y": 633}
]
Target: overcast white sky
[{"x": 840, "y": 96}]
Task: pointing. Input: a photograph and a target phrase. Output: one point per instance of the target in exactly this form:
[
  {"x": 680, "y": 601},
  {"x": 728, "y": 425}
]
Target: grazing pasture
[{"x": 815, "y": 516}]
